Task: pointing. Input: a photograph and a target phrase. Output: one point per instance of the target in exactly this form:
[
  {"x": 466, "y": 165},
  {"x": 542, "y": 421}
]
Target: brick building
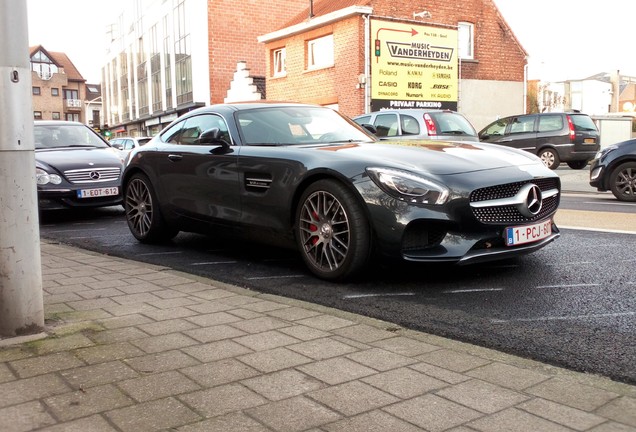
[
  {"x": 325, "y": 55},
  {"x": 59, "y": 90}
]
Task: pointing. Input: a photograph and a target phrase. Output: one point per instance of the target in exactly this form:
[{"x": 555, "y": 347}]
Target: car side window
[
  {"x": 523, "y": 124},
  {"x": 386, "y": 125},
  {"x": 195, "y": 126},
  {"x": 410, "y": 125},
  {"x": 550, "y": 123},
  {"x": 497, "y": 128},
  {"x": 172, "y": 134},
  {"x": 128, "y": 144},
  {"x": 363, "y": 120}
]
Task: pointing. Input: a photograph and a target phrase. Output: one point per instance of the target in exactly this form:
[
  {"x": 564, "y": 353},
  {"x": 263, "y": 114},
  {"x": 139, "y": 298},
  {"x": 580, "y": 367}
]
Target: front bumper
[{"x": 59, "y": 199}]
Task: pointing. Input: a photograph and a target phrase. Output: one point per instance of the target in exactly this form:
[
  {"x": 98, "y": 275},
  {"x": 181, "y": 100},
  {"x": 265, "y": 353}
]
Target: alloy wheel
[{"x": 139, "y": 207}]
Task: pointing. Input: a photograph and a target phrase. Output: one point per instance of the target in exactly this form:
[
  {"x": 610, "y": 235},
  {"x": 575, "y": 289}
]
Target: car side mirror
[
  {"x": 370, "y": 128},
  {"x": 212, "y": 136}
]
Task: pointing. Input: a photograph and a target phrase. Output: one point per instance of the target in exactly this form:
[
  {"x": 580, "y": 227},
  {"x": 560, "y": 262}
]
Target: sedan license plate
[
  {"x": 97, "y": 192},
  {"x": 528, "y": 233},
  {"x": 589, "y": 141}
]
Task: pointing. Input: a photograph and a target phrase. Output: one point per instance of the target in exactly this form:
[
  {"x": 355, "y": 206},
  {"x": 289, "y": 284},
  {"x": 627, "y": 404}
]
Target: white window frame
[
  {"x": 466, "y": 40},
  {"x": 279, "y": 59},
  {"x": 320, "y": 52}
]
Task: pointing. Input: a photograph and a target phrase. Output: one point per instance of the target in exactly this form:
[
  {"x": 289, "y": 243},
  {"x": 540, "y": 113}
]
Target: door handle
[{"x": 175, "y": 157}]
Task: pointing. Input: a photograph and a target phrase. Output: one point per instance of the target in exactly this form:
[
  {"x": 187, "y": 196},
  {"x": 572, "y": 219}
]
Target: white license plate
[
  {"x": 97, "y": 192},
  {"x": 528, "y": 233}
]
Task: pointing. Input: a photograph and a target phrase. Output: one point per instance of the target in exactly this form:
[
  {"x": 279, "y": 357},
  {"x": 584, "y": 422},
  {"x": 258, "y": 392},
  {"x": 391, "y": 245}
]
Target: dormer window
[{"x": 43, "y": 65}]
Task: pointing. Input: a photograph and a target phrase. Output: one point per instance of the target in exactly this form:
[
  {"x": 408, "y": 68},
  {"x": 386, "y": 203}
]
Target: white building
[{"x": 156, "y": 66}]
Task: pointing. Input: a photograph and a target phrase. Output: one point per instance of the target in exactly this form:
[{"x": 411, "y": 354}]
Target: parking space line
[
  {"x": 355, "y": 296},
  {"x": 470, "y": 290},
  {"x": 213, "y": 263},
  {"x": 73, "y": 230},
  {"x": 564, "y": 318},
  {"x": 161, "y": 253}
]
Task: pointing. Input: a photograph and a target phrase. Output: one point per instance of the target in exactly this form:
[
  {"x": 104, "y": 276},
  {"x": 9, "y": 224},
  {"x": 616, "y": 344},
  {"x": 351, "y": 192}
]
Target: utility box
[{"x": 614, "y": 129}]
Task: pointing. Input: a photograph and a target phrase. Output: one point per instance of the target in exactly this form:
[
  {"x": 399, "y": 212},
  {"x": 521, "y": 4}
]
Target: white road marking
[
  {"x": 457, "y": 291},
  {"x": 596, "y": 229},
  {"x": 564, "y": 318},
  {"x": 355, "y": 296},
  {"x": 73, "y": 230},
  {"x": 213, "y": 263}
]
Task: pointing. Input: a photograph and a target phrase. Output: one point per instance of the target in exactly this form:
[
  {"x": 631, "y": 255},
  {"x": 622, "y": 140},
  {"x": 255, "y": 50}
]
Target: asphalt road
[{"x": 570, "y": 304}]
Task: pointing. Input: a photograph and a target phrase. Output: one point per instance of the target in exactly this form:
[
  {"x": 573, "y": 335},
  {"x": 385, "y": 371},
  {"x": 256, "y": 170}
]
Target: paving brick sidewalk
[{"x": 135, "y": 347}]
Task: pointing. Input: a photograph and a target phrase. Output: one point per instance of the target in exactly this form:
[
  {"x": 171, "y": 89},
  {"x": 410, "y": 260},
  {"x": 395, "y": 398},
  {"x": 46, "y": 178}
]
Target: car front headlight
[
  {"x": 42, "y": 177},
  {"x": 409, "y": 187},
  {"x": 604, "y": 152}
]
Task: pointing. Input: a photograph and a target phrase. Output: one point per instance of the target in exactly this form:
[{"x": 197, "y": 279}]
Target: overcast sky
[{"x": 565, "y": 39}]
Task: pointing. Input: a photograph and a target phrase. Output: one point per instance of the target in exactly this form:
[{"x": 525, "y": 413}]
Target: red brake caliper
[{"x": 313, "y": 228}]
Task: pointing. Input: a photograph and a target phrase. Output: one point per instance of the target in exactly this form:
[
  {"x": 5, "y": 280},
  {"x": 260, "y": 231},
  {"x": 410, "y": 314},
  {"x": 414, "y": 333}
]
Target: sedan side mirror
[
  {"x": 213, "y": 136},
  {"x": 370, "y": 128}
]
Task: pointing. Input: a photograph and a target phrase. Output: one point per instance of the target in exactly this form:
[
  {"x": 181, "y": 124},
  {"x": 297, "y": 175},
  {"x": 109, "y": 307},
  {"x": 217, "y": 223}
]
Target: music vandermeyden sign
[{"x": 413, "y": 66}]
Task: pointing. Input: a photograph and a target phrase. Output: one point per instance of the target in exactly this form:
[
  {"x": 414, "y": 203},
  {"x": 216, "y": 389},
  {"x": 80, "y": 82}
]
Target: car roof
[{"x": 57, "y": 122}]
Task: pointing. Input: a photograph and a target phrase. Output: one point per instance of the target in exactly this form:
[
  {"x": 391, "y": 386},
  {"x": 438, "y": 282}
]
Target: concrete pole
[{"x": 21, "y": 298}]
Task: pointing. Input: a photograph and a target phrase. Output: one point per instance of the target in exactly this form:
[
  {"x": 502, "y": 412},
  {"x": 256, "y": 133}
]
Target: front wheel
[
  {"x": 144, "y": 218},
  {"x": 550, "y": 158},
  {"x": 332, "y": 231},
  {"x": 623, "y": 182}
]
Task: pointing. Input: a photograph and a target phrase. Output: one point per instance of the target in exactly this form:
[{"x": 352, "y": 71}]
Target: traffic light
[
  {"x": 377, "y": 47},
  {"x": 107, "y": 134}
]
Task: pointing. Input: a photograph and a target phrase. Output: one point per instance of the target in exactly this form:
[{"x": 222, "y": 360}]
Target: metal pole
[{"x": 21, "y": 298}]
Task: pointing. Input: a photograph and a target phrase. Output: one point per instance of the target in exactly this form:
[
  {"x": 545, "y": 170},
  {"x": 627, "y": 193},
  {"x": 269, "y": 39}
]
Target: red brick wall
[
  {"x": 498, "y": 55},
  {"x": 233, "y": 31}
]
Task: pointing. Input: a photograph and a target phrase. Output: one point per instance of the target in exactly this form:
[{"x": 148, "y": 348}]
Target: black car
[
  {"x": 554, "y": 137},
  {"x": 75, "y": 167},
  {"x": 614, "y": 168},
  {"x": 307, "y": 177}
]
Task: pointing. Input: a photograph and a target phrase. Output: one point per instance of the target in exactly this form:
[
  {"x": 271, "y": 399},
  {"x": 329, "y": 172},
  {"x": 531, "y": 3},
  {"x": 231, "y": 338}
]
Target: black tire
[
  {"x": 623, "y": 182},
  {"x": 550, "y": 158},
  {"x": 577, "y": 165},
  {"x": 143, "y": 215},
  {"x": 332, "y": 231}
]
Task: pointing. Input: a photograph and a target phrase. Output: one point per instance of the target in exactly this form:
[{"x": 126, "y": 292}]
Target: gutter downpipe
[
  {"x": 367, "y": 61},
  {"x": 525, "y": 87}
]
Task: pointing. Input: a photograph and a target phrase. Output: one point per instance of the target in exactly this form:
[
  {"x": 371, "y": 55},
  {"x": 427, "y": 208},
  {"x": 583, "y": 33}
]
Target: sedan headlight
[
  {"x": 409, "y": 187},
  {"x": 604, "y": 152},
  {"x": 43, "y": 177}
]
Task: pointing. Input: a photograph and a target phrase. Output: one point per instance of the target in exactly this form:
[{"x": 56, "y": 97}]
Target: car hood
[
  {"x": 437, "y": 157},
  {"x": 64, "y": 159}
]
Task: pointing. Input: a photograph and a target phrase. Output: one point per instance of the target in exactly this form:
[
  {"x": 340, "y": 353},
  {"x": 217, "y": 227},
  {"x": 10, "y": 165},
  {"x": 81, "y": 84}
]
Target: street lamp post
[{"x": 21, "y": 298}]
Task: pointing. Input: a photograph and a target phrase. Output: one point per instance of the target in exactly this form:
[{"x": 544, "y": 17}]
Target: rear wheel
[
  {"x": 623, "y": 182},
  {"x": 332, "y": 231},
  {"x": 577, "y": 165},
  {"x": 142, "y": 212},
  {"x": 550, "y": 158}
]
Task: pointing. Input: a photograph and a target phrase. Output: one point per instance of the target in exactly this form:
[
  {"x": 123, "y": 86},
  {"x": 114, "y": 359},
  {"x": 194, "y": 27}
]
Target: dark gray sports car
[
  {"x": 75, "y": 167},
  {"x": 305, "y": 176}
]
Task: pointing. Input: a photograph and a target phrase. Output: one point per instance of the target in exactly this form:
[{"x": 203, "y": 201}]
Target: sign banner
[{"x": 413, "y": 66}]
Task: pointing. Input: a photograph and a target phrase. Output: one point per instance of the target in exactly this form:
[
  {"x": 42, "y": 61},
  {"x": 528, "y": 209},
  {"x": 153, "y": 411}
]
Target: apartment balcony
[{"x": 73, "y": 104}]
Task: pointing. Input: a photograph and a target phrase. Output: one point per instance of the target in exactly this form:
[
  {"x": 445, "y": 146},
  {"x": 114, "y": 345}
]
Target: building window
[
  {"x": 72, "y": 117},
  {"x": 56, "y": 116},
  {"x": 55, "y": 91},
  {"x": 320, "y": 52},
  {"x": 36, "y": 91},
  {"x": 71, "y": 94},
  {"x": 37, "y": 115},
  {"x": 43, "y": 65},
  {"x": 279, "y": 59},
  {"x": 466, "y": 40}
]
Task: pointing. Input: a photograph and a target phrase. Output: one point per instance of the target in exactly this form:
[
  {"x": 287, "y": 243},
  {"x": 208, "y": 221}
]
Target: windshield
[
  {"x": 297, "y": 125},
  {"x": 66, "y": 135}
]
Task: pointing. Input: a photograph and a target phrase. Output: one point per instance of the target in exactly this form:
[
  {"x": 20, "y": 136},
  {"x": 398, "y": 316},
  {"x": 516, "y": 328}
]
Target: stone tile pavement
[{"x": 134, "y": 347}]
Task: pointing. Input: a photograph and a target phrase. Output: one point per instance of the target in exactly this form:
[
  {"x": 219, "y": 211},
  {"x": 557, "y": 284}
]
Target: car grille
[
  {"x": 92, "y": 175},
  {"x": 504, "y": 214}
]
